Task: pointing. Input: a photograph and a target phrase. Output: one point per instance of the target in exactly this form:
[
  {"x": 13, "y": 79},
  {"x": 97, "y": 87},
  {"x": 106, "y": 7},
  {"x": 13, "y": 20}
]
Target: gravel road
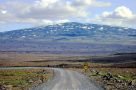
[{"x": 68, "y": 80}]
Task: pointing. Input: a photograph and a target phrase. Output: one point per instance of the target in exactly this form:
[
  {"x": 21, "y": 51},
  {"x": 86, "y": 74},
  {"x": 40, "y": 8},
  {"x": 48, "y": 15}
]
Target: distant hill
[
  {"x": 74, "y": 32},
  {"x": 70, "y": 38}
]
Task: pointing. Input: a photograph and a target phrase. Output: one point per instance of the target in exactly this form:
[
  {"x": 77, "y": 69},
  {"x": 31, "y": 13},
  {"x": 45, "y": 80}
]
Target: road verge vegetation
[
  {"x": 114, "y": 78},
  {"x": 23, "y": 79}
]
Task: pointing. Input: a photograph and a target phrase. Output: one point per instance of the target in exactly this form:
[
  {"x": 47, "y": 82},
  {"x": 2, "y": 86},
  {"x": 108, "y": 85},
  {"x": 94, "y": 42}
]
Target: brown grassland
[{"x": 111, "y": 76}]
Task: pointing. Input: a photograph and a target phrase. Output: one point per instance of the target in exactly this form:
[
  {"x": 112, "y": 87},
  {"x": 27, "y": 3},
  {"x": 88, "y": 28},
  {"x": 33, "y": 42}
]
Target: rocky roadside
[{"x": 112, "y": 82}]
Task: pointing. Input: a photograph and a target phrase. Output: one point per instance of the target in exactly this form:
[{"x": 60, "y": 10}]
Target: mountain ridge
[
  {"x": 73, "y": 31},
  {"x": 68, "y": 22},
  {"x": 70, "y": 39}
]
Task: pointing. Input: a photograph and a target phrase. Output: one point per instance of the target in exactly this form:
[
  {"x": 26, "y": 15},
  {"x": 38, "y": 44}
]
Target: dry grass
[
  {"x": 23, "y": 78},
  {"x": 119, "y": 71}
]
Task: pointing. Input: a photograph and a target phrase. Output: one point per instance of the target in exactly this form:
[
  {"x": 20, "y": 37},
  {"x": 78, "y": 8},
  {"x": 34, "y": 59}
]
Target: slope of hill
[
  {"x": 72, "y": 37},
  {"x": 74, "y": 32}
]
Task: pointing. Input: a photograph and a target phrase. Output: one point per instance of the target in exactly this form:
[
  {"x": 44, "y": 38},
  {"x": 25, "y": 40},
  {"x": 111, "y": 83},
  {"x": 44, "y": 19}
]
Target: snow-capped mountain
[
  {"x": 70, "y": 38},
  {"x": 74, "y": 32}
]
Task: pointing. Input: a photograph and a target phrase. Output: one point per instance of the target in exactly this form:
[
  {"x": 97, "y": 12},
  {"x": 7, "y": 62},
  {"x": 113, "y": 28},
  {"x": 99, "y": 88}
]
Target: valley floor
[{"x": 110, "y": 75}]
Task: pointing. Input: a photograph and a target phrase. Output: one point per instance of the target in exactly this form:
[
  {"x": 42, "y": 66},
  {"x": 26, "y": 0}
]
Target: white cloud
[
  {"x": 119, "y": 12},
  {"x": 87, "y": 3},
  {"x": 3, "y": 11},
  {"x": 41, "y": 11},
  {"x": 49, "y": 22},
  {"x": 54, "y": 9},
  {"x": 121, "y": 16},
  {"x": 45, "y": 3},
  {"x": 62, "y": 21},
  {"x": 123, "y": 12}
]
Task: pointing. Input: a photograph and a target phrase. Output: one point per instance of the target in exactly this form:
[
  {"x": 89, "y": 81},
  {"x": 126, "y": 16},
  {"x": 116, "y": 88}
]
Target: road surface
[{"x": 68, "y": 80}]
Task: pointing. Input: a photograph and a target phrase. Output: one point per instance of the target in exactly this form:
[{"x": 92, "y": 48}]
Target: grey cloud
[{"x": 19, "y": 11}]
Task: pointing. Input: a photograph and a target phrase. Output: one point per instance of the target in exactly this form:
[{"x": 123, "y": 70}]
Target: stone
[
  {"x": 2, "y": 87},
  {"x": 110, "y": 75},
  {"x": 30, "y": 81},
  {"x": 97, "y": 73},
  {"x": 8, "y": 87},
  {"x": 130, "y": 83},
  {"x": 133, "y": 82}
]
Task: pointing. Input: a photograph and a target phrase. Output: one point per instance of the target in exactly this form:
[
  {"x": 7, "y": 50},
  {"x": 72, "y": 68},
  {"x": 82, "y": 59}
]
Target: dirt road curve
[{"x": 68, "y": 80}]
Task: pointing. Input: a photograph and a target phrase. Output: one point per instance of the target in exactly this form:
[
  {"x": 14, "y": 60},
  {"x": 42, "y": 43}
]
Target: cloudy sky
[{"x": 16, "y": 14}]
